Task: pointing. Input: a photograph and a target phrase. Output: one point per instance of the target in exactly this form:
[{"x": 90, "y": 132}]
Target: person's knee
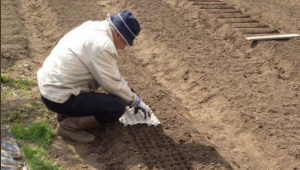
[
  {"x": 120, "y": 107},
  {"x": 112, "y": 113}
]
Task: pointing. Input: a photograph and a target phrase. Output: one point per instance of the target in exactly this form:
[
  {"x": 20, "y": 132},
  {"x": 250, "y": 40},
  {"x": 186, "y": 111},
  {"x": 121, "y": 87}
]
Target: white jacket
[{"x": 83, "y": 57}]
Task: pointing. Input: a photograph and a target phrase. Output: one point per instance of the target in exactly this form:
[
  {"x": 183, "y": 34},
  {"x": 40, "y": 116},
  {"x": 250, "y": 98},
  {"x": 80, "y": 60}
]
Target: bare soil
[{"x": 224, "y": 102}]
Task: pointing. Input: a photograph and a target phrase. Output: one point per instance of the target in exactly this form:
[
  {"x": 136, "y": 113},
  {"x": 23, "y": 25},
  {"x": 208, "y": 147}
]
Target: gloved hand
[
  {"x": 144, "y": 108},
  {"x": 140, "y": 105}
]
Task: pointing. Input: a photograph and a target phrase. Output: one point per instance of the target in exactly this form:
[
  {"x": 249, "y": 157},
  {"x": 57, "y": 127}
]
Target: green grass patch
[
  {"x": 18, "y": 114},
  {"x": 40, "y": 136},
  {"x": 23, "y": 84},
  {"x": 14, "y": 68},
  {"x": 38, "y": 133},
  {"x": 25, "y": 112},
  {"x": 19, "y": 83},
  {"x": 12, "y": 116},
  {"x": 5, "y": 79},
  {"x": 34, "y": 157},
  {"x": 16, "y": 87}
]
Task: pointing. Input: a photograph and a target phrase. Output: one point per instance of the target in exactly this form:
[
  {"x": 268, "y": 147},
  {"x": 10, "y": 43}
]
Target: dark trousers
[{"x": 106, "y": 108}]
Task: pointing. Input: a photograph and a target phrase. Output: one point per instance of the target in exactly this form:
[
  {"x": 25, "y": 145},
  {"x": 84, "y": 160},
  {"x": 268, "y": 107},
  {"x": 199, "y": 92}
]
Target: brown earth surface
[{"x": 224, "y": 102}]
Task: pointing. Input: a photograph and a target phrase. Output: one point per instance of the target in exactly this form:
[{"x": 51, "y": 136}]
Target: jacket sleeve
[{"x": 103, "y": 66}]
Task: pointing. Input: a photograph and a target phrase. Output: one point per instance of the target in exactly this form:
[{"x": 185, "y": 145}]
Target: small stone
[
  {"x": 7, "y": 167},
  {"x": 12, "y": 147},
  {"x": 7, "y": 161},
  {"x": 6, "y": 154}
]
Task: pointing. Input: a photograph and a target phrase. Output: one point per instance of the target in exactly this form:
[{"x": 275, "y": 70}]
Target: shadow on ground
[{"x": 143, "y": 147}]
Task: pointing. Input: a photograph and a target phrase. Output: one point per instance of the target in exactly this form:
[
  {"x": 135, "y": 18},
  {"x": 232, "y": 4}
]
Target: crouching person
[{"x": 84, "y": 59}]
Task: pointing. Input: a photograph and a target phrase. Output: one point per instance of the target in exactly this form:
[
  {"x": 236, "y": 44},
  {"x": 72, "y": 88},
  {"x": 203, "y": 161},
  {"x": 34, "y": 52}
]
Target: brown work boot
[{"x": 72, "y": 128}]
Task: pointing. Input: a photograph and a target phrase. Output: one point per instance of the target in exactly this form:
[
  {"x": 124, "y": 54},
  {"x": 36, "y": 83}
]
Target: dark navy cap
[{"x": 126, "y": 25}]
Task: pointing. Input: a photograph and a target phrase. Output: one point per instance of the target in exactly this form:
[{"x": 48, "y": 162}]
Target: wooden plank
[{"x": 273, "y": 37}]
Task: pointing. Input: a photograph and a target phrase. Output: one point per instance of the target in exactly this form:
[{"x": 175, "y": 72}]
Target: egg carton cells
[{"x": 130, "y": 118}]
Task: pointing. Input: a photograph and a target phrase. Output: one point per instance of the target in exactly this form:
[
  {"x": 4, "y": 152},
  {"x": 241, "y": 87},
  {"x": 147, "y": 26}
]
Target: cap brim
[{"x": 121, "y": 28}]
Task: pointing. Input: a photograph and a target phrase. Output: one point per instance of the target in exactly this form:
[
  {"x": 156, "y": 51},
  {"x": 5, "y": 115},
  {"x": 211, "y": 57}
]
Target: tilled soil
[{"x": 224, "y": 102}]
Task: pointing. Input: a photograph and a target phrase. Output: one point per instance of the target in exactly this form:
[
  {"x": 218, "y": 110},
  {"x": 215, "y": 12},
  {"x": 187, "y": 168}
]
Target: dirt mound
[{"x": 224, "y": 102}]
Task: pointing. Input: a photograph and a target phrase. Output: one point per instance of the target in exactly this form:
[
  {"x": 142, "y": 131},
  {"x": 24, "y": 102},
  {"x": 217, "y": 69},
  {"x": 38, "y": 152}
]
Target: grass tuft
[
  {"x": 38, "y": 133},
  {"x": 23, "y": 84},
  {"x": 13, "y": 116},
  {"x": 5, "y": 79},
  {"x": 19, "y": 83},
  {"x": 34, "y": 156},
  {"x": 14, "y": 68}
]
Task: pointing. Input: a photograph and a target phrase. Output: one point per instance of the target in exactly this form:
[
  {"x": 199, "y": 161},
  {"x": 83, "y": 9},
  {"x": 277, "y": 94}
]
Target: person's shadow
[
  {"x": 142, "y": 147},
  {"x": 161, "y": 152}
]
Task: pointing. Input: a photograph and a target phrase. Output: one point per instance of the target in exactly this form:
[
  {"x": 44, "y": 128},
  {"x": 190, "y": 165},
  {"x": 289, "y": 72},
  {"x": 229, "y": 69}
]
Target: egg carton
[{"x": 130, "y": 118}]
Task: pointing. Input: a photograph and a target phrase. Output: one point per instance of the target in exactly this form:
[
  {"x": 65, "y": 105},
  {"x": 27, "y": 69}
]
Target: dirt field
[{"x": 224, "y": 102}]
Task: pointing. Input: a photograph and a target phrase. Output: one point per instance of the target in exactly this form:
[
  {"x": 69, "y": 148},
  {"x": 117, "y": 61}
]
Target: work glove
[
  {"x": 144, "y": 108},
  {"x": 140, "y": 105}
]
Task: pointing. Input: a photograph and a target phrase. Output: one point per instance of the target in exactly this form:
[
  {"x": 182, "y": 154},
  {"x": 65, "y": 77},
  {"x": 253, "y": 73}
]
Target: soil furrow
[
  {"x": 12, "y": 26},
  {"x": 39, "y": 21}
]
